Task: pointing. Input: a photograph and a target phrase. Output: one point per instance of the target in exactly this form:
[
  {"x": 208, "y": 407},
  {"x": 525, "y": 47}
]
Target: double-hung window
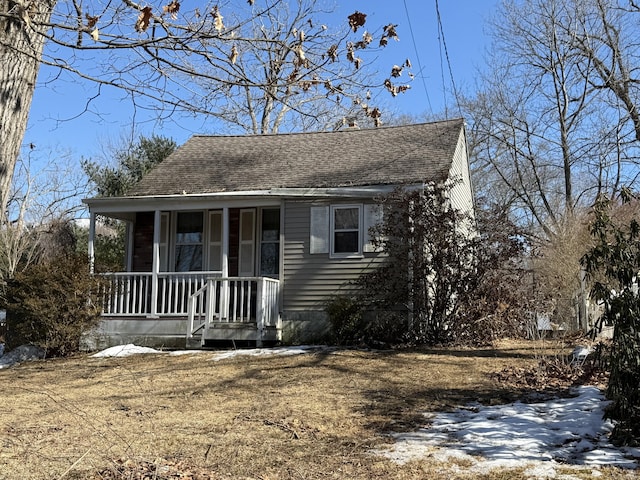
[
  {"x": 189, "y": 239},
  {"x": 346, "y": 230}
]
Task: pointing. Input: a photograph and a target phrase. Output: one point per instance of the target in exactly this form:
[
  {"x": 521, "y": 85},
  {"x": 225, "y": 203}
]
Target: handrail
[
  {"x": 235, "y": 300},
  {"x": 130, "y": 293}
]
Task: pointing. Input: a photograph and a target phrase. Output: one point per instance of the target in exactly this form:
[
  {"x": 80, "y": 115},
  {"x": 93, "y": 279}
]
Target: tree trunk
[{"x": 21, "y": 44}]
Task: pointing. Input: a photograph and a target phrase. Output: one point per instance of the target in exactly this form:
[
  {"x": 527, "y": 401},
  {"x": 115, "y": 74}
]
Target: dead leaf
[
  {"x": 250, "y": 2},
  {"x": 333, "y": 52},
  {"x": 234, "y": 55},
  {"x": 383, "y": 41},
  {"x": 91, "y": 21},
  {"x": 357, "y": 62},
  {"x": 407, "y": 63},
  {"x": 367, "y": 38},
  {"x": 95, "y": 34},
  {"x": 172, "y": 9},
  {"x": 390, "y": 87},
  {"x": 396, "y": 71},
  {"x": 143, "y": 19},
  {"x": 350, "y": 52},
  {"x": 390, "y": 31},
  {"x": 217, "y": 19},
  {"x": 357, "y": 20}
]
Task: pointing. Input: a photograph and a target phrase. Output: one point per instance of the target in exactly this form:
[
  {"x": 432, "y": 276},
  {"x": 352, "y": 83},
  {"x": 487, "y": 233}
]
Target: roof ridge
[{"x": 318, "y": 132}]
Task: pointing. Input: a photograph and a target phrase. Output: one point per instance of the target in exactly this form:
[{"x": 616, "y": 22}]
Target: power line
[
  {"x": 443, "y": 45},
  {"x": 415, "y": 49}
]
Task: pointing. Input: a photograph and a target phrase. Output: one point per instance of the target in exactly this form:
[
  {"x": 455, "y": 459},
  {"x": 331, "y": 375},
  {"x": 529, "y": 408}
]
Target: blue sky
[{"x": 57, "y": 122}]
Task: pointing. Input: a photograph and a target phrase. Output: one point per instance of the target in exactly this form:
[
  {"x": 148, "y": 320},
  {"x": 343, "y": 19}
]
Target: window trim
[
  {"x": 175, "y": 243},
  {"x": 332, "y": 231}
]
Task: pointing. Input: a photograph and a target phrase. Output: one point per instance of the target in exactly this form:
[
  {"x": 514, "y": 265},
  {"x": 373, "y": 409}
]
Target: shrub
[
  {"x": 613, "y": 264},
  {"x": 346, "y": 320},
  {"x": 51, "y": 304},
  {"x": 354, "y": 322}
]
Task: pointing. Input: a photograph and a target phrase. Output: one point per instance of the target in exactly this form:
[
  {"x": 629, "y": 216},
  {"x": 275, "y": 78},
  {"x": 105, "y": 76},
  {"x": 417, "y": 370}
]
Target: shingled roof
[{"x": 383, "y": 156}]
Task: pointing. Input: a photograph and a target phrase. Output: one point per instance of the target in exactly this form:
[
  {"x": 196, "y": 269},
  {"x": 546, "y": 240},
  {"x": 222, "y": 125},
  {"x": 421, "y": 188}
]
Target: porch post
[
  {"x": 92, "y": 236},
  {"x": 224, "y": 292},
  {"x": 155, "y": 264},
  {"x": 260, "y": 311},
  {"x": 225, "y": 242}
]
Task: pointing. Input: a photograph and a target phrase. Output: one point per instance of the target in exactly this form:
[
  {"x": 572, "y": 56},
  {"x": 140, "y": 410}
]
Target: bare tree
[
  {"x": 174, "y": 60},
  {"x": 40, "y": 199},
  {"x": 546, "y": 136}
]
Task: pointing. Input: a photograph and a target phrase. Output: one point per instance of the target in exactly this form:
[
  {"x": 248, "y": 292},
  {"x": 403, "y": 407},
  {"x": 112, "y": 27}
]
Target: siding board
[{"x": 311, "y": 279}]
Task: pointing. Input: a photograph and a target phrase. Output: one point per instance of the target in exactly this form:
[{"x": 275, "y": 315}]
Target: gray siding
[
  {"x": 462, "y": 193},
  {"x": 309, "y": 280}
]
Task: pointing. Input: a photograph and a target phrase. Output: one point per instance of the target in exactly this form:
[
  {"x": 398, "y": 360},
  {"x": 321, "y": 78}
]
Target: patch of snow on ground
[
  {"x": 567, "y": 431},
  {"x": 19, "y": 354},
  {"x": 124, "y": 351},
  {"x": 130, "y": 349},
  {"x": 259, "y": 352}
]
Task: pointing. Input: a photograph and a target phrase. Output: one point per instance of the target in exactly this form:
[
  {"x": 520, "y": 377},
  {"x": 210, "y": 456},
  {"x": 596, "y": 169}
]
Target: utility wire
[
  {"x": 415, "y": 49},
  {"x": 443, "y": 46}
]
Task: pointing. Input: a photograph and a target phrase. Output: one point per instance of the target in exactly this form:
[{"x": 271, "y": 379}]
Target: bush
[
  {"x": 346, "y": 320},
  {"x": 613, "y": 264},
  {"x": 51, "y": 304},
  {"x": 352, "y": 322}
]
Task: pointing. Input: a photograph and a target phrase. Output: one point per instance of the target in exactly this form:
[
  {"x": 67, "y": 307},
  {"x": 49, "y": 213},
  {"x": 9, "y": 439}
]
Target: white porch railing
[
  {"x": 234, "y": 300},
  {"x": 131, "y": 293}
]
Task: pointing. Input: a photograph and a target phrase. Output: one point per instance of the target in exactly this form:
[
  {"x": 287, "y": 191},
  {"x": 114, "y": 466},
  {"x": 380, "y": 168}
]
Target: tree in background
[
  {"x": 613, "y": 264},
  {"x": 550, "y": 127},
  {"x": 132, "y": 162},
  {"x": 176, "y": 60},
  {"x": 40, "y": 199},
  {"x": 553, "y": 127}
]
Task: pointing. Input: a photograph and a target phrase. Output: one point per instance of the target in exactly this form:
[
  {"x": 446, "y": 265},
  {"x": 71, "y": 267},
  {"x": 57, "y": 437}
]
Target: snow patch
[
  {"x": 124, "y": 351},
  {"x": 562, "y": 431},
  {"x": 260, "y": 352}
]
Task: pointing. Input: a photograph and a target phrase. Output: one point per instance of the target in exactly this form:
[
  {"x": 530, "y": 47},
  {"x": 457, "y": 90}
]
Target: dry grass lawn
[{"x": 310, "y": 416}]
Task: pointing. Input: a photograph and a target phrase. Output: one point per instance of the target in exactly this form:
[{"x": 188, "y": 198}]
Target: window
[
  {"x": 189, "y": 234},
  {"x": 346, "y": 227},
  {"x": 270, "y": 242}
]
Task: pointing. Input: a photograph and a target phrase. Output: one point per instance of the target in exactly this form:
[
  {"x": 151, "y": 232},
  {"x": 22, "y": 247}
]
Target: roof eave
[{"x": 136, "y": 203}]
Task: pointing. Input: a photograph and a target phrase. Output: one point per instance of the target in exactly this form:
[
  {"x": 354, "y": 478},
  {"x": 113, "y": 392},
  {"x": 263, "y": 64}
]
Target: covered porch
[{"x": 198, "y": 271}]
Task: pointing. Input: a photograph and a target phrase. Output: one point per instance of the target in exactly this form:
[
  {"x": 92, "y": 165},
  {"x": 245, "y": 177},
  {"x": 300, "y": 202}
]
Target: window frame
[
  {"x": 359, "y": 230},
  {"x": 176, "y": 244}
]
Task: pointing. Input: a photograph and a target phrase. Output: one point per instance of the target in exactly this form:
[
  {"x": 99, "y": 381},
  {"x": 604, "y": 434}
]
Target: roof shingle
[{"x": 382, "y": 156}]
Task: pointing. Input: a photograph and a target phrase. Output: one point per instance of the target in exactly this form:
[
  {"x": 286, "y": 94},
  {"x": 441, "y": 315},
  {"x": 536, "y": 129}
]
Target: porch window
[
  {"x": 270, "y": 242},
  {"x": 346, "y": 228},
  {"x": 189, "y": 234}
]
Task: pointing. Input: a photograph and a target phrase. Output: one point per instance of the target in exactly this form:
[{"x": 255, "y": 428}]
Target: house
[{"x": 244, "y": 238}]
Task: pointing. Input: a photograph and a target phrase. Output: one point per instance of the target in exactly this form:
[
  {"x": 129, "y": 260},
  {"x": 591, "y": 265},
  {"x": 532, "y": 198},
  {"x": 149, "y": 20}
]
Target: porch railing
[
  {"x": 234, "y": 300},
  {"x": 131, "y": 293}
]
